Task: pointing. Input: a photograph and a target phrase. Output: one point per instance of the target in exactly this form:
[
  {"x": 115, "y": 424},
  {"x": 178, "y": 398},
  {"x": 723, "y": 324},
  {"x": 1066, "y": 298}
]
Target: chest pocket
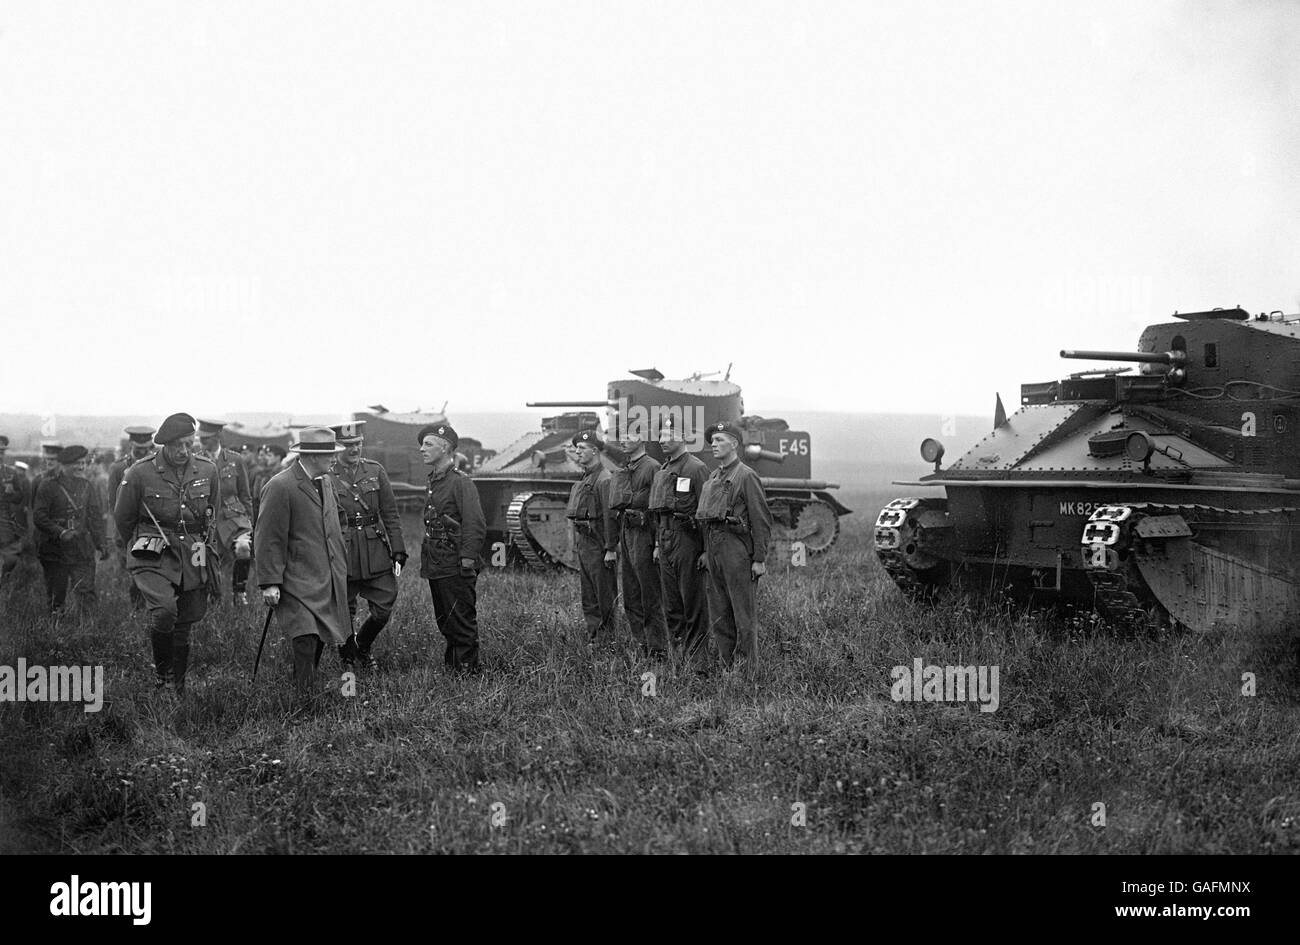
[
  {"x": 620, "y": 489},
  {"x": 368, "y": 489},
  {"x": 715, "y": 500},
  {"x": 582, "y": 501},
  {"x": 198, "y": 496}
]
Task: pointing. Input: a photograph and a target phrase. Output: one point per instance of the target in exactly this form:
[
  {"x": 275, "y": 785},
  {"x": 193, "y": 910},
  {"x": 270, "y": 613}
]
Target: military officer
[
  {"x": 269, "y": 462},
  {"x": 69, "y": 530},
  {"x": 454, "y": 529},
  {"x": 140, "y": 446},
  {"x": 629, "y": 493},
  {"x": 14, "y": 504},
  {"x": 372, "y": 529},
  {"x": 44, "y": 465},
  {"x": 679, "y": 545},
  {"x": 165, "y": 508},
  {"x": 733, "y": 510},
  {"x": 595, "y": 536},
  {"x": 235, "y": 516}
]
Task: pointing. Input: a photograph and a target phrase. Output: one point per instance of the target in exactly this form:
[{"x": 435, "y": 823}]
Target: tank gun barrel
[
  {"x": 571, "y": 403},
  {"x": 1142, "y": 357},
  {"x": 753, "y": 452}
]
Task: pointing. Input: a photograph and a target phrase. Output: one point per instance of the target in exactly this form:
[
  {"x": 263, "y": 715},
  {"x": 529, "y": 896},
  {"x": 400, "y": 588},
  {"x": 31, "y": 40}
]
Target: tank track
[
  {"x": 900, "y": 541},
  {"x": 1112, "y": 541},
  {"x": 532, "y": 551}
]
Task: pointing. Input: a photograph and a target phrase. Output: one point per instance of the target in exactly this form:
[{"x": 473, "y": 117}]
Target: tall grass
[{"x": 580, "y": 760}]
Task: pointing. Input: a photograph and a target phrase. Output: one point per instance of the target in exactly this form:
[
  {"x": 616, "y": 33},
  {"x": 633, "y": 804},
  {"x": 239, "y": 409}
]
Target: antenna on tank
[{"x": 727, "y": 376}]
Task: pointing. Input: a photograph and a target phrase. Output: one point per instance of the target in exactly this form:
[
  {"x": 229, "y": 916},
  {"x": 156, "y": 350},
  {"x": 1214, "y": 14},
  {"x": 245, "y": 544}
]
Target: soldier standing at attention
[
  {"x": 733, "y": 509},
  {"x": 302, "y": 560},
  {"x": 163, "y": 511},
  {"x": 14, "y": 503},
  {"x": 69, "y": 530},
  {"x": 642, "y": 598},
  {"x": 234, "y": 516},
  {"x": 372, "y": 529},
  {"x": 454, "y": 529},
  {"x": 595, "y": 536},
  {"x": 141, "y": 447},
  {"x": 679, "y": 547}
]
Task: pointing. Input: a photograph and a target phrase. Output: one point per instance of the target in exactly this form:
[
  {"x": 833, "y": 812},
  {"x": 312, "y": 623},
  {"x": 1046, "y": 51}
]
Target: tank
[
  {"x": 525, "y": 488},
  {"x": 1169, "y": 495}
]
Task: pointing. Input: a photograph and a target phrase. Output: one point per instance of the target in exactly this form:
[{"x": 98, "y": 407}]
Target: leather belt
[{"x": 360, "y": 519}]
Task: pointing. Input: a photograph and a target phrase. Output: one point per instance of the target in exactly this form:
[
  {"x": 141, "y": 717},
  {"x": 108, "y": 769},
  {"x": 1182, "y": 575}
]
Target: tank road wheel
[
  {"x": 816, "y": 525},
  {"x": 911, "y": 538}
]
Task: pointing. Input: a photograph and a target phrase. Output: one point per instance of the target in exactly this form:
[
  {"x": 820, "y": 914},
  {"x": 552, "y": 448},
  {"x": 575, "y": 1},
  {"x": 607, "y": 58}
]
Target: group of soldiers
[
  {"x": 320, "y": 530},
  {"x": 692, "y": 544}
]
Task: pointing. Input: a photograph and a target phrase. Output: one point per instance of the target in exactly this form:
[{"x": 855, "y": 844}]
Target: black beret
[
  {"x": 70, "y": 454},
  {"x": 440, "y": 430},
  {"x": 173, "y": 428},
  {"x": 588, "y": 436},
  {"x": 730, "y": 429}
]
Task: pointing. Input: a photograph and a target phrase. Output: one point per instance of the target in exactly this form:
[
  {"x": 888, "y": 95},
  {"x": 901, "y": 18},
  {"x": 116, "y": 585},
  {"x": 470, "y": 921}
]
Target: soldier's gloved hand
[
  {"x": 610, "y": 558},
  {"x": 655, "y": 554},
  {"x": 757, "y": 569},
  {"x": 271, "y": 595},
  {"x": 397, "y": 569},
  {"x": 703, "y": 563}
]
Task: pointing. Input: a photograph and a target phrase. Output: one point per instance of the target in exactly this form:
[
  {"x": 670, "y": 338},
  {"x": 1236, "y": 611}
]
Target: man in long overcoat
[{"x": 302, "y": 561}]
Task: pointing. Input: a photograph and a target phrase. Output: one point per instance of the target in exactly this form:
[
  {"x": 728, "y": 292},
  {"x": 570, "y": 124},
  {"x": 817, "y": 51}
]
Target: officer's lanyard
[{"x": 76, "y": 509}]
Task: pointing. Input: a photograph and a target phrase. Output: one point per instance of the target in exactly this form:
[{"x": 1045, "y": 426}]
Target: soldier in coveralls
[
  {"x": 679, "y": 545},
  {"x": 14, "y": 502},
  {"x": 141, "y": 447},
  {"x": 164, "y": 511},
  {"x": 454, "y": 529},
  {"x": 733, "y": 510},
  {"x": 235, "y": 516},
  {"x": 595, "y": 536},
  {"x": 629, "y": 492},
  {"x": 372, "y": 529},
  {"x": 69, "y": 530}
]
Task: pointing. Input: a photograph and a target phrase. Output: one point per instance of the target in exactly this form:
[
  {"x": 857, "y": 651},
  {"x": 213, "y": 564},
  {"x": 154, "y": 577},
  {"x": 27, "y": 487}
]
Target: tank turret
[{"x": 1169, "y": 495}]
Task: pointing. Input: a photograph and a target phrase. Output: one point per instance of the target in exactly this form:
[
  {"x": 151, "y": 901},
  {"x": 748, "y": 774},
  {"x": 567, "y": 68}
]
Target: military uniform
[
  {"x": 738, "y": 524},
  {"x": 629, "y": 493},
  {"x": 69, "y": 531},
  {"x": 454, "y": 528},
  {"x": 49, "y": 458},
  {"x": 595, "y": 534},
  {"x": 157, "y": 500},
  {"x": 234, "y": 518},
  {"x": 372, "y": 529},
  {"x": 14, "y": 503},
  {"x": 674, "y": 498},
  {"x": 141, "y": 447}
]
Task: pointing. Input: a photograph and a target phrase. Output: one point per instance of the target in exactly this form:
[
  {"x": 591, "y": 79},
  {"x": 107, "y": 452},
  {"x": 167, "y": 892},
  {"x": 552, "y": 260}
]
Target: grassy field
[{"x": 580, "y": 760}]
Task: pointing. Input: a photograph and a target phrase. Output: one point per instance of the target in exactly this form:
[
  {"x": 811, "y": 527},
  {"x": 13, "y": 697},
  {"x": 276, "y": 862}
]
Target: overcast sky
[{"x": 311, "y": 207}]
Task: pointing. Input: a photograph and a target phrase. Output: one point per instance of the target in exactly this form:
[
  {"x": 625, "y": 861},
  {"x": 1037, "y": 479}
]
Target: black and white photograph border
[{"x": 616, "y": 428}]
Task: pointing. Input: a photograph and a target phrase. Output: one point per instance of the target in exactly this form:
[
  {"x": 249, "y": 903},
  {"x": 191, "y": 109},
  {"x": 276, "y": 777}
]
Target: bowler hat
[
  {"x": 315, "y": 440},
  {"x": 173, "y": 428},
  {"x": 442, "y": 431}
]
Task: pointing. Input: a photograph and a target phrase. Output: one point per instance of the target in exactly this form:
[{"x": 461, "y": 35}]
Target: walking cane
[{"x": 270, "y": 612}]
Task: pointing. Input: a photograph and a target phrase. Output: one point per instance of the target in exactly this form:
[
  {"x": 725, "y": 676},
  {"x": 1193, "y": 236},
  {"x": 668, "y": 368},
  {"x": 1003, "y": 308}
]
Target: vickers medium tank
[
  {"x": 1167, "y": 496},
  {"x": 525, "y": 487}
]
